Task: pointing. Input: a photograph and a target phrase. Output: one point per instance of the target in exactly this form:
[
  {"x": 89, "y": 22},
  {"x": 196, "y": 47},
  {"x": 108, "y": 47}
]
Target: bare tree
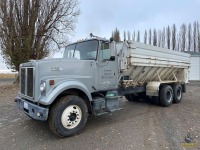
[
  {"x": 124, "y": 35},
  {"x": 138, "y": 36},
  {"x": 163, "y": 37},
  {"x": 30, "y": 28},
  {"x": 150, "y": 36},
  {"x": 129, "y": 35},
  {"x": 145, "y": 37},
  {"x": 173, "y": 36},
  {"x": 168, "y": 36},
  {"x": 198, "y": 36},
  {"x": 189, "y": 36},
  {"x": 154, "y": 37},
  {"x": 183, "y": 30},
  {"x": 178, "y": 41},
  {"x": 159, "y": 38},
  {"x": 195, "y": 36},
  {"x": 116, "y": 35},
  {"x": 133, "y": 36}
]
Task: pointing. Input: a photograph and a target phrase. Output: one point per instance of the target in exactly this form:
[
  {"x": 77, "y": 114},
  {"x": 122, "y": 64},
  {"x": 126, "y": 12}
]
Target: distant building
[{"x": 194, "y": 71}]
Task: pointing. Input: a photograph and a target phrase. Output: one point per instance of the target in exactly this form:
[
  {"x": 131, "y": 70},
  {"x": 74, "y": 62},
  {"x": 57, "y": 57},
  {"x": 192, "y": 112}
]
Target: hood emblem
[{"x": 56, "y": 69}]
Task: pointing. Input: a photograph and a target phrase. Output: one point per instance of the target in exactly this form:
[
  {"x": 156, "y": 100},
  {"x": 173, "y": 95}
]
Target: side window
[{"x": 105, "y": 51}]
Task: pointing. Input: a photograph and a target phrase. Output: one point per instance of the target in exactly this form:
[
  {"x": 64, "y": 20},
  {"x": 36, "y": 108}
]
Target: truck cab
[{"x": 101, "y": 58}]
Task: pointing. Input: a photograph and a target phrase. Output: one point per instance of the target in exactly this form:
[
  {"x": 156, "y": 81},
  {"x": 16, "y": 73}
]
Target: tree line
[{"x": 187, "y": 38}]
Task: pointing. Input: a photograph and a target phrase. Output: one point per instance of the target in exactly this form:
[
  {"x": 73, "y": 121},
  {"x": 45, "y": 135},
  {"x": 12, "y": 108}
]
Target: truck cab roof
[{"x": 96, "y": 38}]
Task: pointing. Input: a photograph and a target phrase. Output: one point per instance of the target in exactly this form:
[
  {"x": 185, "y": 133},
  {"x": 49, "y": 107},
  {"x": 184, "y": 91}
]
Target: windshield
[{"x": 83, "y": 51}]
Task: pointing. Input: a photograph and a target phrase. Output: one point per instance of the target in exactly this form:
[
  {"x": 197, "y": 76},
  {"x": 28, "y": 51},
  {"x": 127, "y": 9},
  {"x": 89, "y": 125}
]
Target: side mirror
[
  {"x": 112, "y": 58},
  {"x": 111, "y": 39}
]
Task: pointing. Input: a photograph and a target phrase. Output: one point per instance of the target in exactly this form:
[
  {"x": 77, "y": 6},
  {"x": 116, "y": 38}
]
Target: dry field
[{"x": 7, "y": 75}]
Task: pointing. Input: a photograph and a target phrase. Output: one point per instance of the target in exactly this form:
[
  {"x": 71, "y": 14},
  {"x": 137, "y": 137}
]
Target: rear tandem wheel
[{"x": 166, "y": 95}]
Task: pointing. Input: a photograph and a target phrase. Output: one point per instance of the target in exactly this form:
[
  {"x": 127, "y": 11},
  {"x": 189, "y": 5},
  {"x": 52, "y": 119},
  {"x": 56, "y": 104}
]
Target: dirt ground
[{"x": 139, "y": 126}]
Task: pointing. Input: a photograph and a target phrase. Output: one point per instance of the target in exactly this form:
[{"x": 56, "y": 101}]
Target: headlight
[{"x": 42, "y": 86}]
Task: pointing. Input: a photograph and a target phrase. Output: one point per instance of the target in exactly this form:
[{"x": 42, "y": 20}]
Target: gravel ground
[{"x": 139, "y": 126}]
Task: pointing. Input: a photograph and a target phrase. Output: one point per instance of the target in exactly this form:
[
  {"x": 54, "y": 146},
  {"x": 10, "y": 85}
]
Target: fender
[
  {"x": 152, "y": 88},
  {"x": 59, "y": 88}
]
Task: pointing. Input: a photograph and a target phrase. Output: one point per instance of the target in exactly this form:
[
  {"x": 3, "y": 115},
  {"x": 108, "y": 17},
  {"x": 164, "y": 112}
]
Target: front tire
[
  {"x": 68, "y": 116},
  {"x": 166, "y": 95}
]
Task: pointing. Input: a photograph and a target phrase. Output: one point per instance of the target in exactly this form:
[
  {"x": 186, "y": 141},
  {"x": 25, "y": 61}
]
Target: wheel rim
[
  {"x": 169, "y": 96},
  {"x": 71, "y": 116},
  {"x": 179, "y": 94}
]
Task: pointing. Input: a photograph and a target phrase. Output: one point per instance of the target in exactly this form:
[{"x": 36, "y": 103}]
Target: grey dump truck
[{"x": 91, "y": 77}]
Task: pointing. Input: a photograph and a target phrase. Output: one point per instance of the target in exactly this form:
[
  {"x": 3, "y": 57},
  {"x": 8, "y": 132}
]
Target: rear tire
[
  {"x": 68, "y": 116},
  {"x": 166, "y": 95},
  {"x": 177, "y": 92}
]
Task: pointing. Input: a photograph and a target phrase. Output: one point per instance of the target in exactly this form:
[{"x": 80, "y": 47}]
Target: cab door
[{"x": 107, "y": 67}]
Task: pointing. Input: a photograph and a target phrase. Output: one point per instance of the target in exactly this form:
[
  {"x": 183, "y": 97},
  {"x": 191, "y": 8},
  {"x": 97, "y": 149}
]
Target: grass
[{"x": 4, "y": 75}]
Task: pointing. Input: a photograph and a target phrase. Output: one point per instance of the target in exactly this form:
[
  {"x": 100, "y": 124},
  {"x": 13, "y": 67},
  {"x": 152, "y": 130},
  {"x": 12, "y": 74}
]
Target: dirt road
[{"x": 139, "y": 126}]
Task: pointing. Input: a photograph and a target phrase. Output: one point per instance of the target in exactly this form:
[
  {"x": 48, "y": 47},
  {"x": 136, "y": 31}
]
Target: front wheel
[{"x": 68, "y": 116}]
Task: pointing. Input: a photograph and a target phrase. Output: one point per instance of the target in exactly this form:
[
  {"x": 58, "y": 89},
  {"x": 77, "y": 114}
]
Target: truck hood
[
  {"x": 53, "y": 60},
  {"x": 61, "y": 70},
  {"x": 61, "y": 67},
  {"x": 64, "y": 67}
]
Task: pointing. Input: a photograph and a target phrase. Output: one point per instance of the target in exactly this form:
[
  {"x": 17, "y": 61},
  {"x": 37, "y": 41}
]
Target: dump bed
[{"x": 144, "y": 63}]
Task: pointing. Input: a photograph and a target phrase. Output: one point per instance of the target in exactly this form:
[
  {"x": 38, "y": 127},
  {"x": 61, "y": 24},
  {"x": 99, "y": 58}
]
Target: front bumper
[{"x": 34, "y": 111}]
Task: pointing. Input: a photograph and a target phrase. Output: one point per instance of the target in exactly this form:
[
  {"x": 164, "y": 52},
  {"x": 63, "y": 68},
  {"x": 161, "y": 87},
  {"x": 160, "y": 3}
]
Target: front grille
[
  {"x": 23, "y": 77},
  {"x": 27, "y": 82}
]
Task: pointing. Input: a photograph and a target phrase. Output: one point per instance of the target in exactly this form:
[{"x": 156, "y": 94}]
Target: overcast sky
[{"x": 101, "y": 17}]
